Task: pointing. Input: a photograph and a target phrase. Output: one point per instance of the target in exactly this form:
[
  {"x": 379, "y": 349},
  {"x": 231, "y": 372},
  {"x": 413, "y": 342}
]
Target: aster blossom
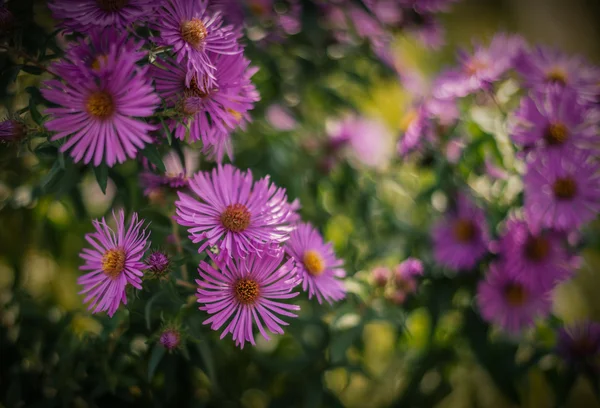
[
  {"x": 552, "y": 119},
  {"x": 562, "y": 193},
  {"x": 193, "y": 31},
  {"x": 177, "y": 171},
  {"x": 319, "y": 269},
  {"x": 247, "y": 293},
  {"x": 579, "y": 345},
  {"x": 510, "y": 303},
  {"x": 12, "y": 130},
  {"x": 114, "y": 261},
  {"x": 461, "y": 239},
  {"x": 233, "y": 212},
  {"x": 100, "y": 115},
  {"x": 88, "y": 14}
]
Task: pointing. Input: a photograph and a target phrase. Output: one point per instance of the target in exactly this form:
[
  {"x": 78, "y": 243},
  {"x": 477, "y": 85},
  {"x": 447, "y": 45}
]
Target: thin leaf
[
  {"x": 153, "y": 155},
  {"x": 101, "y": 173},
  {"x": 35, "y": 114},
  {"x": 155, "y": 357}
]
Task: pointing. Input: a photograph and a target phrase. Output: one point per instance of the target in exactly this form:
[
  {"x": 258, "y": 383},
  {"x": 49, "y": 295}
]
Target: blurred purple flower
[
  {"x": 12, "y": 130},
  {"x": 579, "y": 345},
  {"x": 89, "y": 14},
  {"x": 280, "y": 118},
  {"x": 381, "y": 275},
  {"x": 170, "y": 339},
  {"x": 177, "y": 173}
]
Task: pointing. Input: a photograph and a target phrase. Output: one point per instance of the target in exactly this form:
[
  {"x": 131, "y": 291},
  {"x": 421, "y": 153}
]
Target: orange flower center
[
  {"x": 194, "y": 32},
  {"x": 537, "y": 248},
  {"x": 112, "y": 5},
  {"x": 475, "y": 66},
  {"x": 246, "y": 291},
  {"x": 464, "y": 231},
  {"x": 236, "y": 218},
  {"x": 313, "y": 262},
  {"x": 564, "y": 188},
  {"x": 515, "y": 294},
  {"x": 556, "y": 134},
  {"x": 557, "y": 76},
  {"x": 113, "y": 262},
  {"x": 100, "y": 104}
]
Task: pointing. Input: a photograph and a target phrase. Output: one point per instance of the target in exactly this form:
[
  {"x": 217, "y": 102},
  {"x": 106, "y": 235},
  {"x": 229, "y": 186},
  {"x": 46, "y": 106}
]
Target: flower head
[
  {"x": 510, "y": 303},
  {"x": 177, "y": 172},
  {"x": 194, "y": 32},
  {"x": 170, "y": 339},
  {"x": 12, "y": 130},
  {"x": 100, "y": 114},
  {"x": 562, "y": 193},
  {"x": 234, "y": 213},
  {"x": 537, "y": 259},
  {"x": 318, "y": 267},
  {"x": 552, "y": 119},
  {"x": 579, "y": 345},
  {"x": 114, "y": 261},
  {"x": 247, "y": 293},
  {"x": 461, "y": 239},
  {"x": 89, "y": 14},
  {"x": 409, "y": 268},
  {"x": 158, "y": 263}
]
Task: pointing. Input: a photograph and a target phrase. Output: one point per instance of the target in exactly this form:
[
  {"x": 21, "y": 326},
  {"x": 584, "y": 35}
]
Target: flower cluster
[{"x": 400, "y": 283}]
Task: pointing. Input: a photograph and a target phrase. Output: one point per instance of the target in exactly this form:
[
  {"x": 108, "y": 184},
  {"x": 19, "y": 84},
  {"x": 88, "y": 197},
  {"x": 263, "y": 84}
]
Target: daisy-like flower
[
  {"x": 545, "y": 65},
  {"x": 318, "y": 267},
  {"x": 208, "y": 113},
  {"x": 114, "y": 261},
  {"x": 579, "y": 345},
  {"x": 177, "y": 172},
  {"x": 12, "y": 130},
  {"x": 510, "y": 303},
  {"x": 234, "y": 213},
  {"x": 562, "y": 193},
  {"x": 461, "y": 239},
  {"x": 248, "y": 292},
  {"x": 100, "y": 115},
  {"x": 536, "y": 259},
  {"x": 193, "y": 32},
  {"x": 480, "y": 69},
  {"x": 552, "y": 119},
  {"x": 89, "y": 14}
]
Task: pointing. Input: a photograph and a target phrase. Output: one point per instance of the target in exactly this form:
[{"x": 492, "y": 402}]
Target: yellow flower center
[
  {"x": 537, "y": 248},
  {"x": 564, "y": 188},
  {"x": 313, "y": 262},
  {"x": 194, "y": 32},
  {"x": 556, "y": 134},
  {"x": 112, "y": 5},
  {"x": 464, "y": 231},
  {"x": 100, "y": 104},
  {"x": 236, "y": 217},
  {"x": 246, "y": 291},
  {"x": 515, "y": 294},
  {"x": 557, "y": 76},
  {"x": 113, "y": 262}
]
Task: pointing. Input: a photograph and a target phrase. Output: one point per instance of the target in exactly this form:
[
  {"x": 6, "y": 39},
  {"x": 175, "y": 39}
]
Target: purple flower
[
  {"x": 12, "y": 130},
  {"x": 381, "y": 275},
  {"x": 536, "y": 259},
  {"x": 89, "y": 14},
  {"x": 409, "y": 268},
  {"x": 7, "y": 20},
  {"x": 194, "y": 32},
  {"x": 554, "y": 120},
  {"x": 318, "y": 267},
  {"x": 562, "y": 193},
  {"x": 233, "y": 212},
  {"x": 170, "y": 339},
  {"x": 418, "y": 131},
  {"x": 99, "y": 114},
  {"x": 480, "y": 69},
  {"x": 209, "y": 113},
  {"x": 248, "y": 292},
  {"x": 177, "y": 173},
  {"x": 280, "y": 118},
  {"x": 545, "y": 65},
  {"x": 510, "y": 303},
  {"x": 158, "y": 263},
  {"x": 428, "y": 6},
  {"x": 579, "y": 344},
  {"x": 115, "y": 260},
  {"x": 461, "y": 239}
]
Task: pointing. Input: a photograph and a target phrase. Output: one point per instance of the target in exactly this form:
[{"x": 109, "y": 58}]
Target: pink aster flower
[
  {"x": 579, "y": 345},
  {"x": 318, "y": 267},
  {"x": 562, "y": 193},
  {"x": 194, "y": 31},
  {"x": 552, "y": 119},
  {"x": 177, "y": 172},
  {"x": 114, "y": 261},
  {"x": 480, "y": 69},
  {"x": 247, "y": 293},
  {"x": 234, "y": 213},
  {"x": 536, "y": 259},
  {"x": 12, "y": 130},
  {"x": 89, "y": 14},
  {"x": 100, "y": 115},
  {"x": 209, "y": 114},
  {"x": 510, "y": 303},
  {"x": 405, "y": 276},
  {"x": 461, "y": 239}
]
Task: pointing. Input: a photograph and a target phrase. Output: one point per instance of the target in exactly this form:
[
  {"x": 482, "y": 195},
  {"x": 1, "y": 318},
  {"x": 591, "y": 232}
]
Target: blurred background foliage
[{"x": 359, "y": 354}]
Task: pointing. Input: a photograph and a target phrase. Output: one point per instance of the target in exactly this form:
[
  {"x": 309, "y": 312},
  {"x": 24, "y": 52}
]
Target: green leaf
[
  {"x": 35, "y": 114},
  {"x": 51, "y": 177},
  {"x": 148, "y": 310},
  {"x": 152, "y": 154},
  {"x": 101, "y": 173},
  {"x": 32, "y": 69},
  {"x": 342, "y": 342},
  {"x": 167, "y": 131},
  {"x": 155, "y": 357}
]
